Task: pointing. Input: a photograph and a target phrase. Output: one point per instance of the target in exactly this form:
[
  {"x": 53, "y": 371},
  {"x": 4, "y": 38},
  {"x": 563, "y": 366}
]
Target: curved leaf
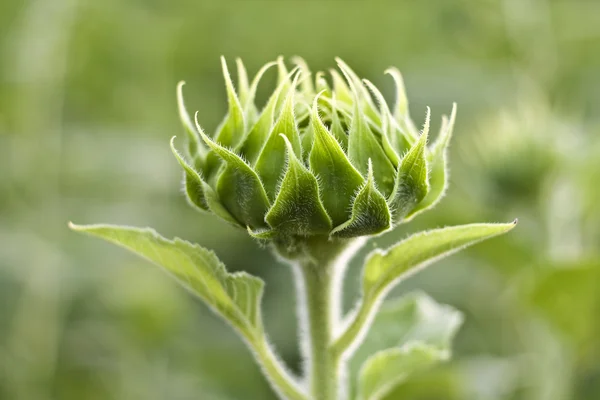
[
  {"x": 383, "y": 269},
  {"x": 389, "y": 368},
  {"x": 235, "y": 297},
  {"x": 408, "y": 334}
]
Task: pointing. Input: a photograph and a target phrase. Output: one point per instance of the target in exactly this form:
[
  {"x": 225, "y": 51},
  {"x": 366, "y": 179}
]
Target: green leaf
[
  {"x": 235, "y": 297},
  {"x": 298, "y": 209},
  {"x": 384, "y": 269},
  {"x": 239, "y": 188},
  {"x": 272, "y": 157},
  {"x": 408, "y": 334},
  {"x": 411, "y": 182},
  {"x": 438, "y": 172},
  {"x": 333, "y": 169},
  {"x": 364, "y": 146},
  {"x": 370, "y": 212},
  {"x": 232, "y": 129},
  {"x": 194, "y": 188},
  {"x": 387, "y": 369}
]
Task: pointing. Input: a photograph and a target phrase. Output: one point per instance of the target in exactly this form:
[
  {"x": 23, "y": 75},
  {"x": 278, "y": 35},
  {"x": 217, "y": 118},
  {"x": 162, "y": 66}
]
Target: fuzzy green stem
[
  {"x": 319, "y": 264},
  {"x": 323, "y": 366}
]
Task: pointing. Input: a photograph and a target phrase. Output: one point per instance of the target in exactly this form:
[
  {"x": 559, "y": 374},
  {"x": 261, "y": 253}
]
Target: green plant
[{"x": 319, "y": 169}]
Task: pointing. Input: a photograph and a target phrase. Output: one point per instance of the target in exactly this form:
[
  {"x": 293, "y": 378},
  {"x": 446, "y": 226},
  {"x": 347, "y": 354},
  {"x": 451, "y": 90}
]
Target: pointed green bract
[
  {"x": 384, "y": 269},
  {"x": 363, "y": 146},
  {"x": 272, "y": 156},
  {"x": 355, "y": 125},
  {"x": 235, "y": 297},
  {"x": 194, "y": 189},
  {"x": 282, "y": 79},
  {"x": 243, "y": 84},
  {"x": 298, "y": 209},
  {"x": 364, "y": 102},
  {"x": 233, "y": 128},
  {"x": 321, "y": 84},
  {"x": 340, "y": 87},
  {"x": 250, "y": 110},
  {"x": 216, "y": 207},
  {"x": 370, "y": 212},
  {"x": 239, "y": 188},
  {"x": 401, "y": 113},
  {"x": 408, "y": 334},
  {"x": 306, "y": 82},
  {"x": 401, "y": 106},
  {"x": 438, "y": 169},
  {"x": 411, "y": 183},
  {"x": 335, "y": 172},
  {"x": 253, "y": 143},
  {"x": 389, "y": 140},
  {"x": 337, "y": 130},
  {"x": 256, "y": 80},
  {"x": 195, "y": 147}
]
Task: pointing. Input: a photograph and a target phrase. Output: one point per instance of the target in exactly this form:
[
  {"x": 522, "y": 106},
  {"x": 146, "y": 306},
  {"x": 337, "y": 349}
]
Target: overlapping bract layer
[{"x": 320, "y": 158}]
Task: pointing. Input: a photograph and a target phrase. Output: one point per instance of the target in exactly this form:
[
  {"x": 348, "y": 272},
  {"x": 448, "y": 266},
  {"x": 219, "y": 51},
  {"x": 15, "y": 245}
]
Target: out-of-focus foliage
[{"x": 87, "y": 106}]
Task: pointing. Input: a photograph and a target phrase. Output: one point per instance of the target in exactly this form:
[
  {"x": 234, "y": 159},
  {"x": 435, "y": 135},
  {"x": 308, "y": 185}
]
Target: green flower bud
[{"x": 322, "y": 158}]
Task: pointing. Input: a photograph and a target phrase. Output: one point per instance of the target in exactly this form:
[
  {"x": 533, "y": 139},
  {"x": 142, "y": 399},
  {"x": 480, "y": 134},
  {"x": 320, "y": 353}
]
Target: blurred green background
[{"x": 87, "y": 106}]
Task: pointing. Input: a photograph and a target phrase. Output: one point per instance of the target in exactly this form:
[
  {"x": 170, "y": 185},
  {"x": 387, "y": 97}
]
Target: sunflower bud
[{"x": 325, "y": 158}]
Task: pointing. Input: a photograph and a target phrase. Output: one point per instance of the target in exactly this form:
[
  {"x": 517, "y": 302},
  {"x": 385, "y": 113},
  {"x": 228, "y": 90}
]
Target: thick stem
[
  {"x": 323, "y": 366},
  {"x": 319, "y": 264}
]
